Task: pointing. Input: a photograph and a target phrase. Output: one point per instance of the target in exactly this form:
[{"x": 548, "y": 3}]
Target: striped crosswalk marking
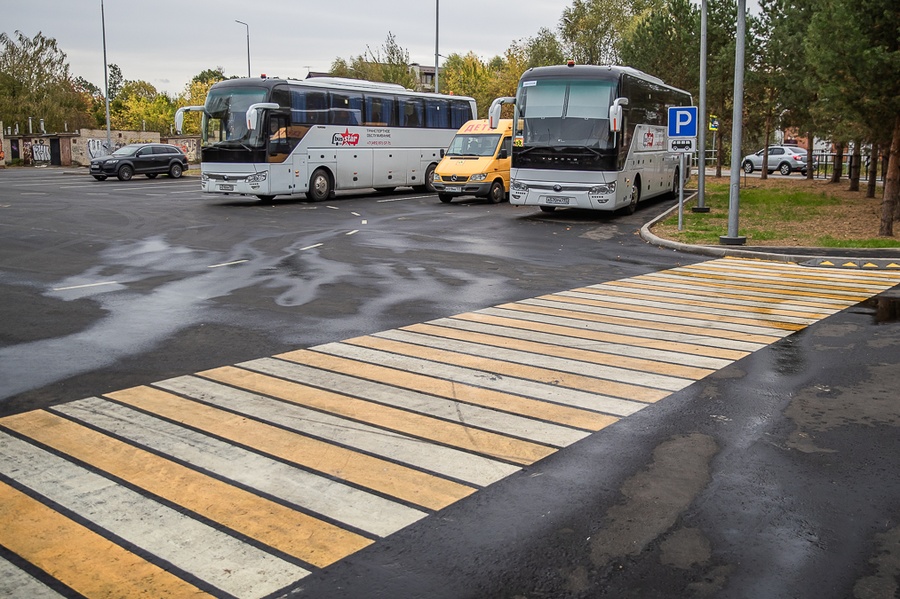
[{"x": 240, "y": 480}]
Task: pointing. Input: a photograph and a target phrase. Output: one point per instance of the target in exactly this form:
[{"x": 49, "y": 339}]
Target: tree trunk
[
  {"x": 889, "y": 205},
  {"x": 873, "y": 172},
  {"x": 764, "y": 174},
  {"x": 719, "y": 155},
  {"x": 838, "y": 162},
  {"x": 810, "y": 142},
  {"x": 855, "y": 163}
]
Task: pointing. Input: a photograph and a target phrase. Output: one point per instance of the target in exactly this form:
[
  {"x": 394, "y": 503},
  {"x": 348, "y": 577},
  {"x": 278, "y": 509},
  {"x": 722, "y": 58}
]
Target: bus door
[{"x": 278, "y": 155}]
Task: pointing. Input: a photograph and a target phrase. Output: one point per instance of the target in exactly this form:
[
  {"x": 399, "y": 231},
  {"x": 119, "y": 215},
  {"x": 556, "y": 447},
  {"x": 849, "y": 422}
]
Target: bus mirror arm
[
  {"x": 494, "y": 111},
  {"x": 253, "y": 112},
  {"x": 615, "y": 117},
  {"x": 179, "y": 116}
]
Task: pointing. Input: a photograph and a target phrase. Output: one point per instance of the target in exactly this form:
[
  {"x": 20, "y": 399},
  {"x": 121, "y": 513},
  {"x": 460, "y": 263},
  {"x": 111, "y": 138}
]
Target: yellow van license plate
[{"x": 453, "y": 189}]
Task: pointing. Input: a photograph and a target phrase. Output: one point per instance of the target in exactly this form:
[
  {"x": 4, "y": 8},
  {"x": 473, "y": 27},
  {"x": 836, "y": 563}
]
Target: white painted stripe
[
  {"x": 440, "y": 460},
  {"x": 617, "y": 349},
  {"x": 85, "y": 286},
  {"x": 688, "y": 310},
  {"x": 353, "y": 232},
  {"x": 646, "y": 320},
  {"x": 603, "y": 327},
  {"x": 321, "y": 495},
  {"x": 227, "y": 263},
  {"x": 462, "y": 413},
  {"x": 488, "y": 380},
  {"x": 598, "y": 371},
  {"x": 15, "y": 582},
  {"x": 404, "y": 199},
  {"x": 211, "y": 555},
  {"x": 311, "y": 247},
  {"x": 355, "y": 214}
]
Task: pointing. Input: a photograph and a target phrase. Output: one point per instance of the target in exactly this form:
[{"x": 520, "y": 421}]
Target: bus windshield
[
  {"x": 566, "y": 113},
  {"x": 473, "y": 145},
  {"x": 225, "y": 118}
]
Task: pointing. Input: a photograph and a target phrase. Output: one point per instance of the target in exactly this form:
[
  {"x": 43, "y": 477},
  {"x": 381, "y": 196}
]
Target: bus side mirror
[
  {"x": 494, "y": 111},
  {"x": 615, "y": 114},
  {"x": 179, "y": 116},
  {"x": 253, "y": 113}
]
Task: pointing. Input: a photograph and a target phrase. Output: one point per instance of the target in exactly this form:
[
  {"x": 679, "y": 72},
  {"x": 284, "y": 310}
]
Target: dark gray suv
[{"x": 140, "y": 159}]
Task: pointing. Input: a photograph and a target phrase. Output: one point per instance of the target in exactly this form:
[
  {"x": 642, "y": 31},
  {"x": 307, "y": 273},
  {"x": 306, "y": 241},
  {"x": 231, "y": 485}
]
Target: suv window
[{"x": 776, "y": 151}]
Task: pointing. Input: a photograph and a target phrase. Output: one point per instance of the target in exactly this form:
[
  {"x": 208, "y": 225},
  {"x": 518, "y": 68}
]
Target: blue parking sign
[{"x": 683, "y": 121}]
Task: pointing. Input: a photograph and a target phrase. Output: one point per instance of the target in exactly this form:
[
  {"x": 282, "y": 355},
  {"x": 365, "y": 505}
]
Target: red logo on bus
[
  {"x": 345, "y": 139},
  {"x": 648, "y": 139}
]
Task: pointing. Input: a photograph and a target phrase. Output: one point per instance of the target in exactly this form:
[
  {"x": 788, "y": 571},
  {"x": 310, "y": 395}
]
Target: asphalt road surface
[{"x": 383, "y": 396}]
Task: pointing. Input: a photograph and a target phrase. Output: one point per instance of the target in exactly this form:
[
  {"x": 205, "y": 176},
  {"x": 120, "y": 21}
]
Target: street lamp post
[
  {"x": 105, "y": 79},
  {"x": 248, "y": 45},
  {"x": 437, "y": 28}
]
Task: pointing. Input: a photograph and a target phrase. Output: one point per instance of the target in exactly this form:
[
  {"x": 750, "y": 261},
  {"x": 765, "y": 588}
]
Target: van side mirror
[
  {"x": 503, "y": 154},
  {"x": 442, "y": 152}
]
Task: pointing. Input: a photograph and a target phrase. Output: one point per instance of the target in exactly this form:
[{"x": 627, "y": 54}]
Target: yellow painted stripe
[
  {"x": 449, "y": 433},
  {"x": 715, "y": 283},
  {"x": 294, "y": 533},
  {"x": 806, "y": 289},
  {"x": 721, "y": 291},
  {"x": 77, "y": 556},
  {"x": 531, "y": 373},
  {"x": 644, "y": 324},
  {"x": 386, "y": 477},
  {"x": 680, "y": 301},
  {"x": 580, "y": 333},
  {"x": 461, "y": 392},
  {"x": 546, "y": 349}
]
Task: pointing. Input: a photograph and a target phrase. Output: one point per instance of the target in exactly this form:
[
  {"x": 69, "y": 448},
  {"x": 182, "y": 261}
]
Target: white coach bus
[
  {"x": 591, "y": 137},
  {"x": 268, "y": 137}
]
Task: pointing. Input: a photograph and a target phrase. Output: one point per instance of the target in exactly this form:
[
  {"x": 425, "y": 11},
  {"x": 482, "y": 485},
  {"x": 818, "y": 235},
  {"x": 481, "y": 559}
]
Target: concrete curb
[{"x": 731, "y": 251}]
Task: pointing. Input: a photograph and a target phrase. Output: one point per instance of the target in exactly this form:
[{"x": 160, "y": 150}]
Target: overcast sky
[{"x": 167, "y": 42}]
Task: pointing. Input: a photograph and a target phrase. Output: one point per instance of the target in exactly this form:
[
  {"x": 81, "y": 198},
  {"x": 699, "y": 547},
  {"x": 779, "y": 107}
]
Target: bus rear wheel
[
  {"x": 428, "y": 187},
  {"x": 319, "y": 186}
]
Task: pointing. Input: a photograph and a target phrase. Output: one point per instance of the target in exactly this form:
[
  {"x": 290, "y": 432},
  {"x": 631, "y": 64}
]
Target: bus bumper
[{"x": 594, "y": 197}]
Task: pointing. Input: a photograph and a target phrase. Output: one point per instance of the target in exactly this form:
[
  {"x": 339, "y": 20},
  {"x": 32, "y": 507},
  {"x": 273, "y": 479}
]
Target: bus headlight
[
  {"x": 478, "y": 177},
  {"x": 204, "y": 178},
  {"x": 519, "y": 187},
  {"x": 598, "y": 191},
  {"x": 258, "y": 177}
]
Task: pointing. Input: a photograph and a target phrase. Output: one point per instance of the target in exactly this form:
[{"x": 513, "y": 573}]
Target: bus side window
[
  {"x": 437, "y": 114},
  {"x": 411, "y": 112}
]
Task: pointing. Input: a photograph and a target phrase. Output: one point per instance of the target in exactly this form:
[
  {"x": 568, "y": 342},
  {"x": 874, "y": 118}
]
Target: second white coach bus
[
  {"x": 591, "y": 137},
  {"x": 268, "y": 137}
]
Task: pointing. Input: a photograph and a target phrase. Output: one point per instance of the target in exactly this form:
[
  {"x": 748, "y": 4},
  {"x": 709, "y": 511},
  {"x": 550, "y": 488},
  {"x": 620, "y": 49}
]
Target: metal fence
[{"x": 824, "y": 165}]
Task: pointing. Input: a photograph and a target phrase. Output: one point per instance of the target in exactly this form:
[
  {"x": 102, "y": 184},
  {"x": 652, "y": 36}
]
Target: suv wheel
[
  {"x": 125, "y": 173},
  {"x": 784, "y": 168},
  {"x": 748, "y": 167},
  {"x": 175, "y": 171}
]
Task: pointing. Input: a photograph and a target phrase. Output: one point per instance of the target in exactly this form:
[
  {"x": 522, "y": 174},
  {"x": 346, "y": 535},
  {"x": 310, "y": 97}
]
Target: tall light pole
[
  {"x": 734, "y": 195},
  {"x": 248, "y": 45},
  {"x": 702, "y": 122},
  {"x": 105, "y": 79},
  {"x": 437, "y": 29}
]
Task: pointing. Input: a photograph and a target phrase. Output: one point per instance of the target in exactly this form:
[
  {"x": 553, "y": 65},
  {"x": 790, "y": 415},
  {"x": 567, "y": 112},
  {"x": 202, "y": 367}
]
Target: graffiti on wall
[
  {"x": 35, "y": 151},
  {"x": 96, "y": 147}
]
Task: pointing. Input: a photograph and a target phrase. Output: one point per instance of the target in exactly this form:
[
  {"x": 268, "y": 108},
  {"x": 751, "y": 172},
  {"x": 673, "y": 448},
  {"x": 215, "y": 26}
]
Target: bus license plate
[
  {"x": 453, "y": 189},
  {"x": 226, "y": 187},
  {"x": 556, "y": 199}
]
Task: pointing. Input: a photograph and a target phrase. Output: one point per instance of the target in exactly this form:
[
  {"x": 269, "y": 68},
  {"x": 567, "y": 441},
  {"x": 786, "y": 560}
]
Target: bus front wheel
[
  {"x": 319, "y": 186},
  {"x": 635, "y": 197}
]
